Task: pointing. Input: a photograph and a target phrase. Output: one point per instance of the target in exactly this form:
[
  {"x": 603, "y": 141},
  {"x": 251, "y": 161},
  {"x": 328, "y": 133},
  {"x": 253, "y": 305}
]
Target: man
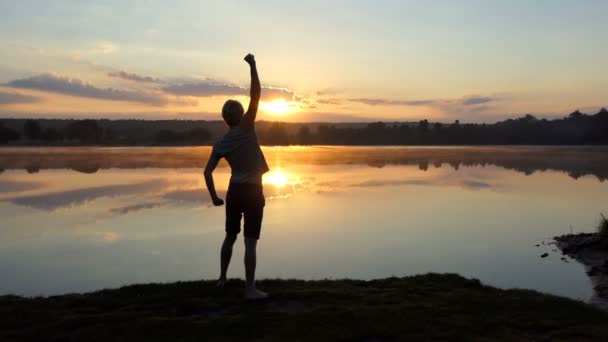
[{"x": 245, "y": 197}]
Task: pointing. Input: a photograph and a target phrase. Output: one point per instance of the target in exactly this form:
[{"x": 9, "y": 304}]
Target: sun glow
[
  {"x": 277, "y": 107},
  {"x": 276, "y": 178}
]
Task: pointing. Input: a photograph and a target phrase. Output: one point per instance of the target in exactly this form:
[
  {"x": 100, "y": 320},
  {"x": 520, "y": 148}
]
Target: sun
[
  {"x": 277, "y": 178},
  {"x": 276, "y": 107}
]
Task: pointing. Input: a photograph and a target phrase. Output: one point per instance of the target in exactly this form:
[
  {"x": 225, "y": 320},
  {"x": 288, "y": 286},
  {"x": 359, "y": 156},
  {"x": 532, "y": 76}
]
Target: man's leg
[
  {"x": 250, "y": 262},
  {"x": 226, "y": 254},
  {"x": 233, "y": 228}
]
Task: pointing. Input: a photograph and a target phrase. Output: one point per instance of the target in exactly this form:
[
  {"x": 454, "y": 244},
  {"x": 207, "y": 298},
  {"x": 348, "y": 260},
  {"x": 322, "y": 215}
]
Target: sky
[{"x": 473, "y": 61}]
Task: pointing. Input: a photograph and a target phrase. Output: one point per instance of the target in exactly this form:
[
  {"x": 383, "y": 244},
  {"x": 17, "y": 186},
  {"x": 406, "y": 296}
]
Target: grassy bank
[{"x": 432, "y": 306}]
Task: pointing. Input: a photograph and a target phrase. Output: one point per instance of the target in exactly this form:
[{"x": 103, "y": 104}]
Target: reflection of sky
[
  {"x": 71, "y": 198},
  {"x": 7, "y": 186},
  {"x": 69, "y": 231}
]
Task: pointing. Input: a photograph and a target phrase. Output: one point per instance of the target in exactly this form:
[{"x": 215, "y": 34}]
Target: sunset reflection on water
[
  {"x": 330, "y": 212},
  {"x": 277, "y": 178}
]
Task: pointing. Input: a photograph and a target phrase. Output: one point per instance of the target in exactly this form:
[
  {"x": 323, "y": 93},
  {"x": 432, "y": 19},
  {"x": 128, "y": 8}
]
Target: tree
[
  {"x": 51, "y": 135},
  {"x": 276, "y": 135},
  {"x": 166, "y": 136},
  {"x": 192, "y": 137},
  {"x": 423, "y": 129},
  {"x": 304, "y": 137},
  {"x": 32, "y": 130},
  {"x": 325, "y": 134},
  {"x": 576, "y": 114},
  {"x": 84, "y": 131},
  {"x": 107, "y": 134},
  {"x": 8, "y": 134},
  {"x": 454, "y": 133},
  {"x": 375, "y": 134},
  {"x": 199, "y": 135},
  {"x": 423, "y": 126},
  {"x": 438, "y": 136}
]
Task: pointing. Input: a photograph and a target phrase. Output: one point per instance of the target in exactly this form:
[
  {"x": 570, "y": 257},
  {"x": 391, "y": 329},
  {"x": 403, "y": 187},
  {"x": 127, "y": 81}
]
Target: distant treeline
[
  {"x": 575, "y": 129},
  {"x": 60, "y": 132}
]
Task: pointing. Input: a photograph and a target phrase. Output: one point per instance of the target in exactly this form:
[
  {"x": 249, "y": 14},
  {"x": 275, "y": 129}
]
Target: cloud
[
  {"x": 388, "y": 102},
  {"x": 330, "y": 117},
  {"x": 329, "y": 101},
  {"x": 420, "y": 102},
  {"x": 475, "y": 100},
  {"x": 206, "y": 88},
  {"x": 7, "y": 98},
  {"x": 464, "y": 101},
  {"x": 133, "y": 77},
  {"x": 273, "y": 93},
  {"x": 76, "y": 87}
]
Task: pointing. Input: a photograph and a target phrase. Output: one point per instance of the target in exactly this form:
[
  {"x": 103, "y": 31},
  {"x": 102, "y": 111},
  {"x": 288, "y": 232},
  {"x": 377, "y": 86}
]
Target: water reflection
[
  {"x": 276, "y": 177},
  {"x": 575, "y": 161},
  {"x": 72, "y": 198},
  {"x": 134, "y": 208},
  {"x": 145, "y": 215},
  {"x": 7, "y": 186}
]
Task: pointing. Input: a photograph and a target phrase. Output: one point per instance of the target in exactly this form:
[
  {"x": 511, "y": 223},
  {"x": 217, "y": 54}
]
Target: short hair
[{"x": 232, "y": 112}]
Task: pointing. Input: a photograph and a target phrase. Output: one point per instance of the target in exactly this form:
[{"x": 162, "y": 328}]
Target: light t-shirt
[{"x": 241, "y": 149}]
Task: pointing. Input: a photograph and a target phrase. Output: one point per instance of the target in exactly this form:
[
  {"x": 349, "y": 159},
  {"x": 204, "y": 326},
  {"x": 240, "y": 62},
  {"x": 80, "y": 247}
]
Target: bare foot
[
  {"x": 255, "y": 294},
  {"x": 221, "y": 282}
]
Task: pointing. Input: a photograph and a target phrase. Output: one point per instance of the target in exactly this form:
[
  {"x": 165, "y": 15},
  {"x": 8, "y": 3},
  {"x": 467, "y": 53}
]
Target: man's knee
[
  {"x": 250, "y": 243},
  {"x": 230, "y": 238}
]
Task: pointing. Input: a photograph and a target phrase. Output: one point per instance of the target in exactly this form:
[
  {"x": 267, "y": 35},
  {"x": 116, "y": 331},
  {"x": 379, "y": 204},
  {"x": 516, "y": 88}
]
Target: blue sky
[{"x": 341, "y": 60}]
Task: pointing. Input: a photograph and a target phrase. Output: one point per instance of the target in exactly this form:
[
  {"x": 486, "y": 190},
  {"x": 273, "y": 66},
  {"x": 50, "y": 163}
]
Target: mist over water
[{"x": 85, "y": 218}]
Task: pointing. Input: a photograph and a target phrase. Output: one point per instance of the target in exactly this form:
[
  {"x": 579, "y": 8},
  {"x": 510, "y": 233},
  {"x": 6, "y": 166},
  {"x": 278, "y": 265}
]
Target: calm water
[{"x": 84, "y": 219}]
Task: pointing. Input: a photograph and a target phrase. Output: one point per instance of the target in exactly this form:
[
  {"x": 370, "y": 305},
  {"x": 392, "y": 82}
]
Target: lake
[{"x": 81, "y": 219}]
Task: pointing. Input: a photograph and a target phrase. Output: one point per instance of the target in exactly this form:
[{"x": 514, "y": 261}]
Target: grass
[{"x": 433, "y": 306}]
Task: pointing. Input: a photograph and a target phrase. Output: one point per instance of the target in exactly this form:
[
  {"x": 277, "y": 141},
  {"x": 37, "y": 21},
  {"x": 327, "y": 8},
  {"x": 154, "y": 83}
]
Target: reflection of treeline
[
  {"x": 576, "y": 161},
  {"x": 576, "y": 129}
]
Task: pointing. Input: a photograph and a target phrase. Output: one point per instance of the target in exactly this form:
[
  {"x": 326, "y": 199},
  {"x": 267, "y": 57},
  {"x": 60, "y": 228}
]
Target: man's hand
[
  {"x": 250, "y": 59},
  {"x": 218, "y": 201},
  {"x": 256, "y": 93}
]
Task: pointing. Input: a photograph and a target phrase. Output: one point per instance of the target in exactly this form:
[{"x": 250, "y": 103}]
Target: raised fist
[{"x": 250, "y": 59}]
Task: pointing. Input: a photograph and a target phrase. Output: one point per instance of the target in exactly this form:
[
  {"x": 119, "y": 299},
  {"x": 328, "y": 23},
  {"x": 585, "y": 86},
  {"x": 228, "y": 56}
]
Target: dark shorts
[{"x": 245, "y": 200}]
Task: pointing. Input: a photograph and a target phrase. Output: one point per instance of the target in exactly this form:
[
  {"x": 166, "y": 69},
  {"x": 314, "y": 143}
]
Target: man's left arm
[{"x": 214, "y": 159}]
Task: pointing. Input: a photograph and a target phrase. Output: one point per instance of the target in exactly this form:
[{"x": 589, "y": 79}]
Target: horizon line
[{"x": 363, "y": 120}]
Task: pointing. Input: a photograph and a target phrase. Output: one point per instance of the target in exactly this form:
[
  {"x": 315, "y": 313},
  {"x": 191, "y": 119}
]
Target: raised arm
[
  {"x": 211, "y": 165},
  {"x": 256, "y": 91}
]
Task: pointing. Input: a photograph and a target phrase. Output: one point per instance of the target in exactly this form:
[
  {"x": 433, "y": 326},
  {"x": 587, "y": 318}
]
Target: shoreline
[
  {"x": 589, "y": 251},
  {"x": 430, "y": 306}
]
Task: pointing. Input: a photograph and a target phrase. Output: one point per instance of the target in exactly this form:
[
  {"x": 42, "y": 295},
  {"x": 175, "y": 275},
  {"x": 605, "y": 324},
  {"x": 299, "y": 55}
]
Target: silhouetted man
[{"x": 245, "y": 197}]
